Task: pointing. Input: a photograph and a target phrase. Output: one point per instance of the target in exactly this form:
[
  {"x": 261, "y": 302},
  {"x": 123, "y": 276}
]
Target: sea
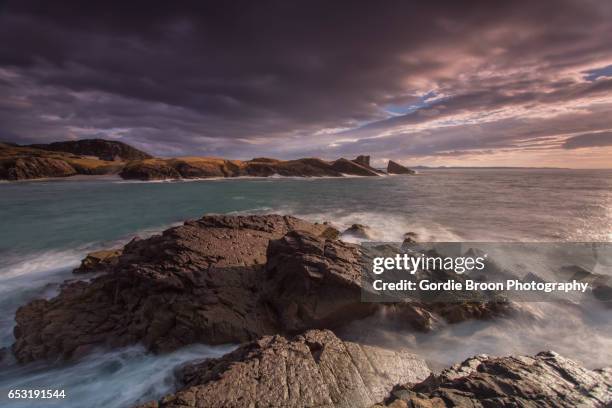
[{"x": 48, "y": 226}]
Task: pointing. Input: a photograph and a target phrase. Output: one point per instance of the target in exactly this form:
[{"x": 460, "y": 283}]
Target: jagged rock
[
  {"x": 196, "y": 282},
  {"x": 545, "y": 380},
  {"x": 219, "y": 279},
  {"x": 99, "y": 261},
  {"x": 358, "y": 231},
  {"x": 315, "y": 369},
  {"x": 314, "y": 283},
  {"x": 109, "y": 150},
  {"x": 396, "y": 168},
  {"x": 34, "y": 167}
]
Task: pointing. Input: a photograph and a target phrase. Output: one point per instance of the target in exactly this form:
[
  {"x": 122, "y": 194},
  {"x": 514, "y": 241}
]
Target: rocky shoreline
[
  {"x": 96, "y": 156},
  {"x": 279, "y": 286}
]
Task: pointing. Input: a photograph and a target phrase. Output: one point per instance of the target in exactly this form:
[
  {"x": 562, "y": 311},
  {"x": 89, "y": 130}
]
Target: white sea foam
[{"x": 113, "y": 379}]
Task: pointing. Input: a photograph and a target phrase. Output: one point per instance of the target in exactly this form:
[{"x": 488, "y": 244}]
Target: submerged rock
[
  {"x": 545, "y": 380},
  {"x": 358, "y": 231},
  {"x": 396, "y": 168},
  {"x": 315, "y": 369}
]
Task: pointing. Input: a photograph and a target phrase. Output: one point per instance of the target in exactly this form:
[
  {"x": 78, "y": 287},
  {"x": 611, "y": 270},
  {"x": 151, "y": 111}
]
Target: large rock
[
  {"x": 109, "y": 150},
  {"x": 34, "y": 167},
  {"x": 219, "y": 279},
  {"x": 545, "y": 380},
  {"x": 199, "y": 282},
  {"x": 315, "y": 369},
  {"x": 396, "y": 168},
  {"x": 363, "y": 160},
  {"x": 350, "y": 167},
  {"x": 314, "y": 283}
]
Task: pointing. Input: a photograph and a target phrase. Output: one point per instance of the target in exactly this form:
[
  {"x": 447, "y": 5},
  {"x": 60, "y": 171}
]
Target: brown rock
[
  {"x": 363, "y": 160},
  {"x": 358, "y": 231},
  {"x": 34, "y": 167},
  {"x": 349, "y": 167},
  {"x": 219, "y": 279},
  {"x": 197, "y": 282},
  {"x": 315, "y": 369},
  {"x": 314, "y": 283},
  {"x": 396, "y": 168},
  {"x": 99, "y": 261},
  {"x": 545, "y": 380}
]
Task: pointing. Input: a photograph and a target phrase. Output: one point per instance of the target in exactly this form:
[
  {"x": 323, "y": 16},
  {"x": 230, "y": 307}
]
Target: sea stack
[
  {"x": 396, "y": 168},
  {"x": 363, "y": 160}
]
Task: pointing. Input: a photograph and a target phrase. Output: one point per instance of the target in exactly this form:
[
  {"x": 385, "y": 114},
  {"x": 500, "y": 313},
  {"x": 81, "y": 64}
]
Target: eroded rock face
[
  {"x": 35, "y": 167},
  {"x": 314, "y": 283},
  {"x": 396, "y": 168},
  {"x": 202, "y": 167},
  {"x": 197, "y": 282},
  {"x": 219, "y": 279},
  {"x": 544, "y": 380},
  {"x": 315, "y": 369}
]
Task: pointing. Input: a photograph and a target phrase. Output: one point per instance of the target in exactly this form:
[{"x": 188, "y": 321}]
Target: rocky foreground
[
  {"x": 319, "y": 370},
  {"x": 277, "y": 284},
  {"x": 219, "y": 279},
  {"x": 97, "y": 156}
]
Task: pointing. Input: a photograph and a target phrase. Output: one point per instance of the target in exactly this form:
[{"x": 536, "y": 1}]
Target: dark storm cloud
[
  {"x": 245, "y": 78},
  {"x": 589, "y": 140}
]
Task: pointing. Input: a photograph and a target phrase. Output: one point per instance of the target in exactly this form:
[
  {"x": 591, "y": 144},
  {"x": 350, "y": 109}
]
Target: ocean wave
[{"x": 112, "y": 379}]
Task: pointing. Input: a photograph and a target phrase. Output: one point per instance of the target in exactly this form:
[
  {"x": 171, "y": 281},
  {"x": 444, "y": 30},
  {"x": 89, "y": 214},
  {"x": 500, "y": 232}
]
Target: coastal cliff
[
  {"x": 22, "y": 163},
  {"x": 108, "y": 150},
  {"x": 209, "y": 167},
  {"x": 97, "y": 156}
]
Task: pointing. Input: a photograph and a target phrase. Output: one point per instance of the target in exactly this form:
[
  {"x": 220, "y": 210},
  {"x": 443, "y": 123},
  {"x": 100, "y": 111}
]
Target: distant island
[{"x": 99, "y": 157}]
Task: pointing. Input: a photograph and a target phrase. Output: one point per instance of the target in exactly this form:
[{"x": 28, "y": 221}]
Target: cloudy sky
[{"x": 474, "y": 83}]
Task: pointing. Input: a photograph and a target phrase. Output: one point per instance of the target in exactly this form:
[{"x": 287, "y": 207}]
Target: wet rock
[
  {"x": 315, "y": 369},
  {"x": 358, "y": 231},
  {"x": 314, "y": 283},
  {"x": 99, "y": 261},
  {"x": 544, "y": 380},
  {"x": 199, "y": 282},
  {"x": 219, "y": 279},
  {"x": 396, "y": 168}
]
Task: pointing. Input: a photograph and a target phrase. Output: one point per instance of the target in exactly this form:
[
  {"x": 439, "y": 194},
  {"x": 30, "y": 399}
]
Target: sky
[{"x": 455, "y": 83}]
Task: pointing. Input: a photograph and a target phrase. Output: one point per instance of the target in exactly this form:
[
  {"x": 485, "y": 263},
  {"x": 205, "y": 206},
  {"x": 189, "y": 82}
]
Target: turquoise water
[{"x": 48, "y": 226}]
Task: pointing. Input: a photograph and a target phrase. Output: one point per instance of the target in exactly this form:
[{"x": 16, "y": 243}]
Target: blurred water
[{"x": 48, "y": 226}]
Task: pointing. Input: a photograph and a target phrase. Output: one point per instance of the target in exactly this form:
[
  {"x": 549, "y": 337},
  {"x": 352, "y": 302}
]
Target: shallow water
[{"x": 48, "y": 226}]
